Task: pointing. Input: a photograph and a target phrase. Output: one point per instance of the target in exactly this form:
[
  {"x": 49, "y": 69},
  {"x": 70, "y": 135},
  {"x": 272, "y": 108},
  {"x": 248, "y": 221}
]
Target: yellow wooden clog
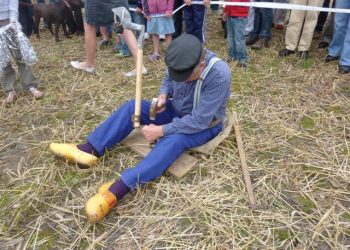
[
  {"x": 73, "y": 154},
  {"x": 99, "y": 205}
]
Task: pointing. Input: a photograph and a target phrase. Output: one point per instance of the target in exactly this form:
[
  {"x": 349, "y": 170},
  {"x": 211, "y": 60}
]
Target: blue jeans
[
  {"x": 236, "y": 39},
  {"x": 165, "y": 152},
  {"x": 262, "y": 22},
  {"x": 340, "y": 45},
  {"x": 139, "y": 19}
]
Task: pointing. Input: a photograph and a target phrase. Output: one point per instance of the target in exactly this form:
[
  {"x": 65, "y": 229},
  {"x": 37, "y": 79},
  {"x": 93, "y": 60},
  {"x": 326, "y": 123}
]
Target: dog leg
[
  {"x": 37, "y": 21},
  {"x": 57, "y": 26},
  {"x": 65, "y": 30},
  {"x": 49, "y": 26}
]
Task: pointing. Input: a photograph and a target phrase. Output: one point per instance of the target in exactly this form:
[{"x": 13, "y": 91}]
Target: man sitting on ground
[{"x": 199, "y": 84}]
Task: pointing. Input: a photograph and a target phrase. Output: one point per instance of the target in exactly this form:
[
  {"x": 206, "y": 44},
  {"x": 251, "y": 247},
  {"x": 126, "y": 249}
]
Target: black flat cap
[{"x": 182, "y": 56}]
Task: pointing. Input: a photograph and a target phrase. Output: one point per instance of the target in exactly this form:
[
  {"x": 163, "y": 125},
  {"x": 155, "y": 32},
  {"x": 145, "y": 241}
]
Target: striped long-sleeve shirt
[
  {"x": 9, "y": 10},
  {"x": 212, "y": 104}
]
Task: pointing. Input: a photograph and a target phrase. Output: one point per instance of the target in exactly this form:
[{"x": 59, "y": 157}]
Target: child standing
[
  {"x": 236, "y": 18},
  {"x": 159, "y": 25},
  {"x": 13, "y": 44}
]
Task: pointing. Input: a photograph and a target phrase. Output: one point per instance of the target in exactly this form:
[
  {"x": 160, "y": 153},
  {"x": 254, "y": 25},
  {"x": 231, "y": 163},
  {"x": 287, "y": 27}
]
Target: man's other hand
[
  {"x": 188, "y": 2},
  {"x": 161, "y": 103},
  {"x": 152, "y": 132},
  {"x": 206, "y": 3}
]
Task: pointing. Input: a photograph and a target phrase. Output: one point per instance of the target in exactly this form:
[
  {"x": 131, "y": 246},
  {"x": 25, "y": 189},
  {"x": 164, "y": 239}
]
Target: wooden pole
[
  {"x": 139, "y": 64},
  {"x": 247, "y": 180}
]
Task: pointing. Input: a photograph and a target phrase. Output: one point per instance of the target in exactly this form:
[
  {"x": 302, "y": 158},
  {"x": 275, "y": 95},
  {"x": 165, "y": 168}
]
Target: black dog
[{"x": 57, "y": 13}]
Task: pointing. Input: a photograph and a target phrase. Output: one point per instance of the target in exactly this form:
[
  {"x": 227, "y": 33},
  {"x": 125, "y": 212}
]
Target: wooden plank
[{"x": 140, "y": 145}]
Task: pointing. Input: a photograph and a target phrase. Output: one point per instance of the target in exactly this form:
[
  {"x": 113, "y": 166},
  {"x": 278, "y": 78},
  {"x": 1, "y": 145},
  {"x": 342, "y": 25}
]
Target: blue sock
[
  {"x": 88, "y": 148},
  {"x": 119, "y": 189}
]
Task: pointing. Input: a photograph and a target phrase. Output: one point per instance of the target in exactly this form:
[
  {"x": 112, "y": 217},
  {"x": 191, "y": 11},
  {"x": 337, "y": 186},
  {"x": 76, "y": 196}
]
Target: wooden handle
[
  {"x": 247, "y": 180},
  {"x": 139, "y": 64}
]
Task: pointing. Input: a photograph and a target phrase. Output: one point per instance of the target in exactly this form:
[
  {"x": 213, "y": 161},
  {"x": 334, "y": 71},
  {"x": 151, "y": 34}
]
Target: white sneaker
[
  {"x": 76, "y": 65},
  {"x": 11, "y": 97},
  {"x": 146, "y": 36},
  {"x": 36, "y": 93},
  {"x": 132, "y": 73}
]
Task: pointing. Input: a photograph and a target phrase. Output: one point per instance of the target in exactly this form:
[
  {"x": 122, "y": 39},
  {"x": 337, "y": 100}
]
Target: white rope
[{"x": 283, "y": 6}]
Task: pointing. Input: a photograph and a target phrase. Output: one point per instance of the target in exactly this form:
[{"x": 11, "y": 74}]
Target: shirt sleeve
[
  {"x": 13, "y": 7},
  {"x": 214, "y": 93},
  {"x": 166, "y": 88}
]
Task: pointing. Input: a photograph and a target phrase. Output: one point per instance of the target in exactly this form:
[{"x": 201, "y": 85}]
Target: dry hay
[{"x": 295, "y": 123}]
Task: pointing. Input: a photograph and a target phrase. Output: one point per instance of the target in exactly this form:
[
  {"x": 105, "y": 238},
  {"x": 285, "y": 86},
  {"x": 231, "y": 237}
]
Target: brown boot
[{"x": 260, "y": 44}]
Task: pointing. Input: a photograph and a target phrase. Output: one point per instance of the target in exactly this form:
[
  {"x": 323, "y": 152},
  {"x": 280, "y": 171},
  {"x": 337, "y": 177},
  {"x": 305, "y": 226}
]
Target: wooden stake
[{"x": 247, "y": 180}]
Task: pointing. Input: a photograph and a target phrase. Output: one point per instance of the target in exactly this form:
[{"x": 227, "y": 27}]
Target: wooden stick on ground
[{"x": 247, "y": 180}]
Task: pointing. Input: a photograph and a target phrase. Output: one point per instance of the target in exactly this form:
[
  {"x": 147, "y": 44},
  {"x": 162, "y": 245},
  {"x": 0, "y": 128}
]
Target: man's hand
[
  {"x": 152, "y": 132},
  {"x": 161, "y": 104},
  {"x": 206, "y": 3},
  {"x": 188, "y": 2},
  {"x": 138, "y": 11},
  {"x": 168, "y": 13}
]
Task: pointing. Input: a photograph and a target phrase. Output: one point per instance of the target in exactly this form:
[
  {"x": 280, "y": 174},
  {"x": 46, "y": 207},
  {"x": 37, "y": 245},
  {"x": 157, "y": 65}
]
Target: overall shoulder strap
[{"x": 197, "y": 91}]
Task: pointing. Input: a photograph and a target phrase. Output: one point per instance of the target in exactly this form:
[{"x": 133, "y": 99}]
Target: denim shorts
[{"x": 99, "y": 13}]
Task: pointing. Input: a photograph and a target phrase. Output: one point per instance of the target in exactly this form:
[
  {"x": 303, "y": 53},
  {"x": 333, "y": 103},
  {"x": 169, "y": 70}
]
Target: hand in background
[
  {"x": 188, "y": 2},
  {"x": 206, "y": 3},
  {"x": 138, "y": 11},
  {"x": 168, "y": 13}
]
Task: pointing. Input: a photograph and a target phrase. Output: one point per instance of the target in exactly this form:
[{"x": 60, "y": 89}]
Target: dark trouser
[
  {"x": 322, "y": 17},
  {"x": 262, "y": 22},
  {"x": 25, "y": 18},
  {"x": 195, "y": 20},
  {"x": 178, "y": 19}
]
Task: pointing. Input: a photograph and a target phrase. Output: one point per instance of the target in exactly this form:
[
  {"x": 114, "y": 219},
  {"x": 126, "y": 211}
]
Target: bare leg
[
  {"x": 130, "y": 40},
  {"x": 155, "y": 40},
  {"x": 90, "y": 44},
  {"x": 104, "y": 33},
  {"x": 168, "y": 39}
]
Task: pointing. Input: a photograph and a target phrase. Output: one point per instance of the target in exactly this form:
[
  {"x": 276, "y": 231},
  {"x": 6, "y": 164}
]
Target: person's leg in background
[
  {"x": 239, "y": 40},
  {"x": 280, "y": 16},
  {"x": 294, "y": 28},
  {"x": 322, "y": 18},
  {"x": 344, "y": 62},
  {"x": 199, "y": 19},
  {"x": 178, "y": 19},
  {"x": 255, "y": 33},
  {"x": 308, "y": 29},
  {"x": 231, "y": 40},
  {"x": 328, "y": 30},
  {"x": 250, "y": 22},
  {"x": 106, "y": 33},
  {"x": 265, "y": 29},
  {"x": 339, "y": 47}
]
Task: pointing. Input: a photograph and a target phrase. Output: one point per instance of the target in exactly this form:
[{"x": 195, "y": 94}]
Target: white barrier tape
[{"x": 283, "y": 6}]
